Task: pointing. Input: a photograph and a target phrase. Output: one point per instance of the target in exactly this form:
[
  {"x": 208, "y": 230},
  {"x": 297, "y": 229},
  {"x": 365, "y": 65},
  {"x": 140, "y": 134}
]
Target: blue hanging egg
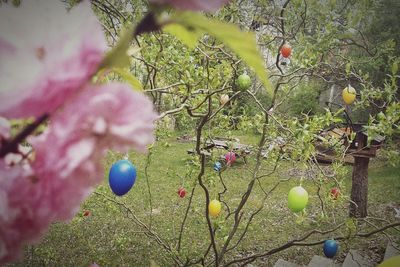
[
  {"x": 330, "y": 248},
  {"x": 122, "y": 176},
  {"x": 217, "y": 166}
]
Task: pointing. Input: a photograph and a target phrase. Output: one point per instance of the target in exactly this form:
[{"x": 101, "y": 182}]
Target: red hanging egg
[
  {"x": 335, "y": 192},
  {"x": 86, "y": 213},
  {"x": 230, "y": 157},
  {"x": 286, "y": 50},
  {"x": 182, "y": 192}
]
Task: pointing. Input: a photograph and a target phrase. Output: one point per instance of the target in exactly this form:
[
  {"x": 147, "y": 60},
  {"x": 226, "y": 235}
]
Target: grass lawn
[{"x": 110, "y": 237}]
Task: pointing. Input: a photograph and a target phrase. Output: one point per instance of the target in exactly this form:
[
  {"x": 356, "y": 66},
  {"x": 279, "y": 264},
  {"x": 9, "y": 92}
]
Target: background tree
[{"x": 330, "y": 50}]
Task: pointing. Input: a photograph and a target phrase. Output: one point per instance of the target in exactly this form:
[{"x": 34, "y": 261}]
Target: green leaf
[
  {"x": 242, "y": 43},
  {"x": 118, "y": 57},
  {"x": 186, "y": 35},
  {"x": 129, "y": 78},
  {"x": 348, "y": 66},
  {"x": 395, "y": 68}
]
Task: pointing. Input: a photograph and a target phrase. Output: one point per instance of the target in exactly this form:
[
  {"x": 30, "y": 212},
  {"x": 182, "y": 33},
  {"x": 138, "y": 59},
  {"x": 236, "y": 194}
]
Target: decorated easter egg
[
  {"x": 335, "y": 193},
  {"x": 214, "y": 208},
  {"x": 330, "y": 248},
  {"x": 86, "y": 213},
  {"x": 182, "y": 192},
  {"x": 297, "y": 198},
  {"x": 230, "y": 157},
  {"x": 217, "y": 166},
  {"x": 224, "y": 99},
  {"x": 243, "y": 82},
  {"x": 349, "y": 95},
  {"x": 122, "y": 176},
  {"x": 286, "y": 50}
]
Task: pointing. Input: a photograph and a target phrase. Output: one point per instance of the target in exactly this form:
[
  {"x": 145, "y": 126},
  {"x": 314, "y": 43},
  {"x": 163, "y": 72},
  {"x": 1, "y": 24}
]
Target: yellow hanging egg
[
  {"x": 214, "y": 208},
  {"x": 349, "y": 95}
]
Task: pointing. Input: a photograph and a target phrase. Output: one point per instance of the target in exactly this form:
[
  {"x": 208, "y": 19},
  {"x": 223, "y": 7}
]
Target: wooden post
[
  {"x": 359, "y": 188},
  {"x": 361, "y": 151}
]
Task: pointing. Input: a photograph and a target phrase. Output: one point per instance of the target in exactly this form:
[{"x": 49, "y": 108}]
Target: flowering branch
[{"x": 11, "y": 146}]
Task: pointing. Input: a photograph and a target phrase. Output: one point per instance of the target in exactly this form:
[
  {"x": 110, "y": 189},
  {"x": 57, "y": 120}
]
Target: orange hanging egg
[{"x": 286, "y": 50}]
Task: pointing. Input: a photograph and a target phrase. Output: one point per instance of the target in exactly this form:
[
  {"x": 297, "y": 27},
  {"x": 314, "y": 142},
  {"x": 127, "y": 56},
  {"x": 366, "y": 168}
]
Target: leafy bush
[{"x": 304, "y": 100}]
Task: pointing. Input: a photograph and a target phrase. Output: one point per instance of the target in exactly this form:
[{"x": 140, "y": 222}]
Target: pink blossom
[
  {"x": 67, "y": 162},
  {"x": 46, "y": 55},
  {"x": 19, "y": 221},
  {"x": 195, "y": 5},
  {"x": 111, "y": 116},
  {"x": 19, "y": 199}
]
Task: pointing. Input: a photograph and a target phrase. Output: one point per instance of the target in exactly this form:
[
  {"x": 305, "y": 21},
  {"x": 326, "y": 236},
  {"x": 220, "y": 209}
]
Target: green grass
[{"x": 109, "y": 236}]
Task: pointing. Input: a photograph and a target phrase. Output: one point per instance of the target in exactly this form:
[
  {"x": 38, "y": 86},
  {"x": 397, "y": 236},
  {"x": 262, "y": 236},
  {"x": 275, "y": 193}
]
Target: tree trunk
[{"x": 359, "y": 188}]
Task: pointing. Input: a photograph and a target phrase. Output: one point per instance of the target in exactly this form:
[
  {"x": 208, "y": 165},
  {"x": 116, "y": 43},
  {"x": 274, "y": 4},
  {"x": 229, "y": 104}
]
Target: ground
[{"x": 109, "y": 237}]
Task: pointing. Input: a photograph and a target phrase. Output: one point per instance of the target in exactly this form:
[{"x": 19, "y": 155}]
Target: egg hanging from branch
[{"x": 122, "y": 177}]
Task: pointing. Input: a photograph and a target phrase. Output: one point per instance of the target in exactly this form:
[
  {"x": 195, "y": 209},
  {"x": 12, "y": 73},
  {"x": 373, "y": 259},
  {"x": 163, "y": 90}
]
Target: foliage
[
  {"x": 305, "y": 99},
  {"x": 242, "y": 43}
]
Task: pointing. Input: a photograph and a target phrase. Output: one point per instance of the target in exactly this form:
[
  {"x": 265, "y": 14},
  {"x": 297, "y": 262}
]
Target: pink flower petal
[
  {"x": 20, "y": 221},
  {"x": 70, "y": 151},
  {"x": 46, "y": 55}
]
